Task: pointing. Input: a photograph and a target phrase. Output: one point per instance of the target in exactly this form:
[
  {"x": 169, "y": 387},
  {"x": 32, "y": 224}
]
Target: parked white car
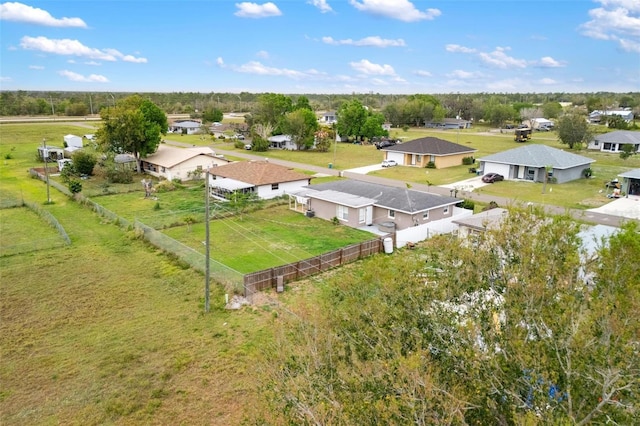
[{"x": 389, "y": 163}]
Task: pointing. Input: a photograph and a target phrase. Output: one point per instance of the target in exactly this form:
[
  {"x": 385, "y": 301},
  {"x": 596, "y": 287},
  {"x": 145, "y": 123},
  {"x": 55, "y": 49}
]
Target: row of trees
[{"x": 516, "y": 327}]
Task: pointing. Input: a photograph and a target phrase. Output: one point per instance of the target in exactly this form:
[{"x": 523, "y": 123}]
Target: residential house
[
  {"x": 631, "y": 182},
  {"x": 265, "y": 179},
  {"x": 282, "y": 142},
  {"x": 171, "y": 162},
  {"x": 614, "y": 141},
  {"x": 480, "y": 222},
  {"x": 328, "y": 118},
  {"x": 530, "y": 162},
  {"x": 597, "y": 116},
  {"x": 449, "y": 123},
  {"x": 419, "y": 152},
  {"x": 360, "y": 204},
  {"x": 190, "y": 127}
]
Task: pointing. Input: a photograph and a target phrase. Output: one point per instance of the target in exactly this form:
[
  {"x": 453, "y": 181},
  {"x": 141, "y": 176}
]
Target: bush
[
  {"x": 467, "y": 161},
  {"x": 587, "y": 173},
  {"x": 239, "y": 144},
  {"x": 431, "y": 165},
  {"x": 166, "y": 186},
  {"x": 75, "y": 186},
  {"x": 467, "y": 204},
  {"x": 84, "y": 162},
  {"x": 119, "y": 176}
]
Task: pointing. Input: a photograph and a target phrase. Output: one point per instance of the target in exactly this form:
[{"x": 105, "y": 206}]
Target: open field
[{"x": 13, "y": 238}]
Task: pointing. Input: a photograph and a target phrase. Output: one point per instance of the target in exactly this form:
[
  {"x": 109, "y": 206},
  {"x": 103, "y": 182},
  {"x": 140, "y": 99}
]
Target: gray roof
[
  {"x": 538, "y": 156},
  {"x": 430, "y": 146},
  {"x": 399, "y": 199},
  {"x": 488, "y": 219},
  {"x": 633, "y": 174},
  {"x": 619, "y": 136}
]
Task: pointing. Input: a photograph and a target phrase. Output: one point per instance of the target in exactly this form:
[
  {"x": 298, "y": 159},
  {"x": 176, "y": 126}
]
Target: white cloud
[
  {"x": 263, "y": 54},
  {"x": 463, "y": 75},
  {"x": 508, "y": 85},
  {"x": 422, "y": 73},
  {"x": 369, "y": 68},
  {"x": 255, "y": 67},
  {"x": 93, "y": 78},
  {"x": 220, "y": 62},
  {"x": 5, "y": 79},
  {"x": 93, "y": 63},
  {"x": 456, "y": 48},
  {"x": 18, "y": 12},
  {"x": 75, "y": 48},
  {"x": 371, "y": 41},
  {"x": 617, "y": 21},
  {"x": 36, "y": 67},
  {"x": 549, "y": 62},
  {"x": 322, "y": 5},
  {"x": 254, "y": 10},
  {"x": 499, "y": 59},
  {"x": 547, "y": 81},
  {"x": 402, "y": 10}
]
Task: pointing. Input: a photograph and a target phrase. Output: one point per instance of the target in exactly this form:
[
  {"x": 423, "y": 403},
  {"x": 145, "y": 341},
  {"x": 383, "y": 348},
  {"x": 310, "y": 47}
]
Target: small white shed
[{"x": 73, "y": 141}]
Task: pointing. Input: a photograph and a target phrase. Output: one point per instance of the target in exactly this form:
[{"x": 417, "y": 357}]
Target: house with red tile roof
[{"x": 265, "y": 179}]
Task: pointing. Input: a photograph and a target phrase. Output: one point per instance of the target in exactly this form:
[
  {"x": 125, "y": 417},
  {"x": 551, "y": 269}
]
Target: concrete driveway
[
  {"x": 623, "y": 207},
  {"x": 467, "y": 184}
]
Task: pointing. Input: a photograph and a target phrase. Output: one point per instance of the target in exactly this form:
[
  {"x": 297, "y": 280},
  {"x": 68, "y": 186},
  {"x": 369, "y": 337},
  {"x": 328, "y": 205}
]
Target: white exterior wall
[
  {"x": 265, "y": 192},
  {"x": 416, "y": 234},
  {"x": 73, "y": 141}
]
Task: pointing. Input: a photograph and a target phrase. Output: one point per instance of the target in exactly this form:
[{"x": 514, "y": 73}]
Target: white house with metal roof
[
  {"x": 631, "y": 182},
  {"x": 597, "y": 115},
  {"x": 614, "y": 141},
  {"x": 529, "y": 162}
]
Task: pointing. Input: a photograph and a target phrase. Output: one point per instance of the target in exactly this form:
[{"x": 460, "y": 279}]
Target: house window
[
  {"x": 446, "y": 210},
  {"x": 274, "y": 186},
  {"x": 392, "y": 214},
  {"x": 362, "y": 215},
  {"x": 163, "y": 169},
  {"x": 342, "y": 212},
  {"x": 425, "y": 215}
]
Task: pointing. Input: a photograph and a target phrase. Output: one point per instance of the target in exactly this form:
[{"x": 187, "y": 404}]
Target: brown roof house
[
  {"x": 419, "y": 152},
  {"x": 266, "y": 180},
  {"x": 171, "y": 162}
]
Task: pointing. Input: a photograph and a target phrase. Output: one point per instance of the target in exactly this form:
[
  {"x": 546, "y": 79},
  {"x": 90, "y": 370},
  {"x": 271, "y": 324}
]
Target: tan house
[
  {"x": 419, "y": 152},
  {"x": 171, "y": 162}
]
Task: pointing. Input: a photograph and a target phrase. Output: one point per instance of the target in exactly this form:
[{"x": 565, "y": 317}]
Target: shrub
[
  {"x": 119, "y": 176},
  {"x": 156, "y": 206},
  {"x": 75, "y": 186},
  {"x": 84, "y": 162},
  {"x": 239, "y": 144},
  {"x": 166, "y": 186},
  {"x": 467, "y": 161},
  {"x": 8, "y": 156},
  {"x": 587, "y": 173},
  {"x": 467, "y": 204},
  {"x": 431, "y": 165},
  {"x": 68, "y": 173}
]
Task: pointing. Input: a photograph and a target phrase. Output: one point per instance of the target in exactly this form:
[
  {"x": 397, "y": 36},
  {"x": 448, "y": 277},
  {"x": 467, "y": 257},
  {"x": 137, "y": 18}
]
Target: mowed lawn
[{"x": 14, "y": 237}]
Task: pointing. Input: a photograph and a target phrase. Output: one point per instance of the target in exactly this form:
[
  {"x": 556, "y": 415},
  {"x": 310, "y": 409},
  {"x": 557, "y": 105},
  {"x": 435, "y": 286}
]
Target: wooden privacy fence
[{"x": 274, "y": 277}]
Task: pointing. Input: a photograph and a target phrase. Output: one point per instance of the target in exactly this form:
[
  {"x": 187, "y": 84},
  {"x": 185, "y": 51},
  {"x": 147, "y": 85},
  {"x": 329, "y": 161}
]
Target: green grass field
[{"x": 22, "y": 230}]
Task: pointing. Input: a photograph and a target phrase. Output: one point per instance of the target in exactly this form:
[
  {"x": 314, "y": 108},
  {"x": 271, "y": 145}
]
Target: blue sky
[{"x": 321, "y": 46}]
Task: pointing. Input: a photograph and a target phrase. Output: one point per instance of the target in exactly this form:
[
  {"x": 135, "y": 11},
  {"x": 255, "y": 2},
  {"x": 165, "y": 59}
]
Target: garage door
[
  {"x": 502, "y": 169},
  {"x": 397, "y": 156}
]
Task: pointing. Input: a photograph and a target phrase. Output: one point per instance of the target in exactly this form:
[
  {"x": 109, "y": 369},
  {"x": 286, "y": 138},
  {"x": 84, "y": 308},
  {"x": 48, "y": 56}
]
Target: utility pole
[
  {"x": 206, "y": 242},
  {"x": 45, "y": 154}
]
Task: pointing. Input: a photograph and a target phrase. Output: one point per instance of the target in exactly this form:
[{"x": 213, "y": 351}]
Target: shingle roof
[
  {"x": 169, "y": 156},
  {"x": 430, "y": 146},
  {"x": 619, "y": 136},
  {"x": 258, "y": 172},
  {"x": 399, "y": 199},
  {"x": 538, "y": 156},
  {"x": 633, "y": 174}
]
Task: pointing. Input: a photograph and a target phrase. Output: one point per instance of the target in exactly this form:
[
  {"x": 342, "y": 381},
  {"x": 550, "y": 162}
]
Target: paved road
[{"x": 587, "y": 216}]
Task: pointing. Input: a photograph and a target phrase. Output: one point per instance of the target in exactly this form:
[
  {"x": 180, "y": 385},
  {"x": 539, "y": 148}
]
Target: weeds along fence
[
  {"x": 50, "y": 219},
  {"x": 231, "y": 279},
  {"x": 276, "y": 277}
]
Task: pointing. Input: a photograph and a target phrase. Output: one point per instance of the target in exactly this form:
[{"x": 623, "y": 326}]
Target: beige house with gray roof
[{"x": 170, "y": 162}]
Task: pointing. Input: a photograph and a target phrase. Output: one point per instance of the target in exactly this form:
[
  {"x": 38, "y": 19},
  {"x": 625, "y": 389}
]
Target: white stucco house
[
  {"x": 171, "y": 162},
  {"x": 598, "y": 116},
  {"x": 190, "y": 127},
  {"x": 265, "y": 179},
  {"x": 614, "y": 141}
]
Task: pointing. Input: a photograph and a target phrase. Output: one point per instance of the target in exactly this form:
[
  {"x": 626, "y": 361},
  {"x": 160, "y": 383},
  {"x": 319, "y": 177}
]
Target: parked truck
[{"x": 522, "y": 134}]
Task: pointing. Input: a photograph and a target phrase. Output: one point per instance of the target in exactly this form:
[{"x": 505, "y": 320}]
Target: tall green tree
[
  {"x": 573, "y": 130},
  {"x": 351, "y": 117},
  {"x": 271, "y": 109},
  {"x": 134, "y": 126},
  {"x": 372, "y": 126},
  {"x": 301, "y": 125}
]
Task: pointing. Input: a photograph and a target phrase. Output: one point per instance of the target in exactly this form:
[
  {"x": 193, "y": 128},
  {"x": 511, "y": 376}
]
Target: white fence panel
[{"x": 420, "y": 233}]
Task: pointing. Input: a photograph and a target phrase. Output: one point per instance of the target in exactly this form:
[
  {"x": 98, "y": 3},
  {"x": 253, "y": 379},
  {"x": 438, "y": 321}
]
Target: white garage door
[
  {"x": 398, "y": 156},
  {"x": 502, "y": 169}
]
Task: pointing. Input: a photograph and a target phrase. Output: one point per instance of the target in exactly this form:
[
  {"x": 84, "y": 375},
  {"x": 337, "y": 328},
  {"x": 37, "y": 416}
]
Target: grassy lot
[
  {"x": 13, "y": 238},
  {"x": 109, "y": 330},
  {"x": 268, "y": 238}
]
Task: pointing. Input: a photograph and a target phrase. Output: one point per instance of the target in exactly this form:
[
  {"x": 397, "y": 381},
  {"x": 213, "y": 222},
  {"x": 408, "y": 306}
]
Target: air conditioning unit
[{"x": 310, "y": 213}]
